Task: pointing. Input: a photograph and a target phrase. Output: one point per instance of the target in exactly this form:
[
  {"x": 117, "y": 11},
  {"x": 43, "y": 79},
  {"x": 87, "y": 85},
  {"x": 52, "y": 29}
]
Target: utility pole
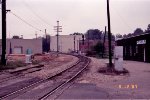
[
  {"x": 3, "y": 57},
  {"x": 104, "y": 41},
  {"x": 88, "y": 41},
  {"x": 36, "y": 34},
  {"x": 58, "y": 29},
  {"x": 21, "y": 36},
  {"x": 45, "y": 33},
  {"x": 109, "y": 35},
  {"x": 74, "y": 43},
  {"x": 79, "y": 45}
]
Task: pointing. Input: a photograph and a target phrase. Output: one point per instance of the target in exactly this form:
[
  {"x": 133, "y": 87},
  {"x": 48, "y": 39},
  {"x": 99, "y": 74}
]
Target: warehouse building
[
  {"x": 136, "y": 47},
  {"x": 23, "y": 46},
  {"x": 67, "y": 43}
]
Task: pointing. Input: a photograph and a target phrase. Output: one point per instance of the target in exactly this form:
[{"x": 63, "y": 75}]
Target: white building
[{"x": 66, "y": 43}]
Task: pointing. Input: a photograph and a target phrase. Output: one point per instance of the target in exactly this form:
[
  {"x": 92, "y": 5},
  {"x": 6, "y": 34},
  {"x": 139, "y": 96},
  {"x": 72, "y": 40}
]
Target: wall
[
  {"x": 134, "y": 51},
  {"x": 34, "y": 44},
  {"x": 66, "y": 43}
]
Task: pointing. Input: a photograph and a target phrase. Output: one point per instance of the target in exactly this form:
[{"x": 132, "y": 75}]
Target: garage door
[{"x": 17, "y": 50}]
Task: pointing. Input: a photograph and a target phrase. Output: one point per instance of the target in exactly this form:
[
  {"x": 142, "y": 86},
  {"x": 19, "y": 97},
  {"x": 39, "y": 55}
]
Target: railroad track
[
  {"x": 21, "y": 72},
  {"x": 61, "y": 79},
  {"x": 18, "y": 73}
]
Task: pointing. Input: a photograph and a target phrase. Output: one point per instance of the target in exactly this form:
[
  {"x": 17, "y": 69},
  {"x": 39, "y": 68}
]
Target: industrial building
[
  {"x": 22, "y": 46},
  {"x": 67, "y": 43},
  {"x": 136, "y": 48}
]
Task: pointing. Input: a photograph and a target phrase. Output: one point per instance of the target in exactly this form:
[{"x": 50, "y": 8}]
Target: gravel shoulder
[
  {"x": 54, "y": 66},
  {"x": 93, "y": 76}
]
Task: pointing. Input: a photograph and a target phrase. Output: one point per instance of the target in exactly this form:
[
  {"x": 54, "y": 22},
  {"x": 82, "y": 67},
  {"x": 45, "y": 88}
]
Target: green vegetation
[{"x": 97, "y": 50}]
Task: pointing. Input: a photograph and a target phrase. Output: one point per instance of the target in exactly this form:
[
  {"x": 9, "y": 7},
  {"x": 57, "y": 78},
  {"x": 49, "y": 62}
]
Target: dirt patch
[
  {"x": 15, "y": 61},
  {"x": 92, "y": 75},
  {"x": 112, "y": 71}
]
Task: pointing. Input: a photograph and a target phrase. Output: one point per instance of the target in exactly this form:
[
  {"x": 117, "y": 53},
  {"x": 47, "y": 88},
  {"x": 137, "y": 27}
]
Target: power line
[
  {"x": 123, "y": 20},
  {"x": 26, "y": 22},
  {"x": 39, "y": 17}
]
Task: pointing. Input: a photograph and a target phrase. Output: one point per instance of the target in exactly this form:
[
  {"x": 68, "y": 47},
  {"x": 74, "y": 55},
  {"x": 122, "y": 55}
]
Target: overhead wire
[
  {"x": 38, "y": 16},
  {"x": 27, "y": 23},
  {"x": 123, "y": 20}
]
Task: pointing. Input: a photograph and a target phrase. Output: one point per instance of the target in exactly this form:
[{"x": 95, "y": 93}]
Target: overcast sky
[{"x": 75, "y": 16}]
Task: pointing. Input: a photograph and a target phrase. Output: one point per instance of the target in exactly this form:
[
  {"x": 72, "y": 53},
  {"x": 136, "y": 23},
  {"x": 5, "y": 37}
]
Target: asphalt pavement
[{"x": 135, "y": 86}]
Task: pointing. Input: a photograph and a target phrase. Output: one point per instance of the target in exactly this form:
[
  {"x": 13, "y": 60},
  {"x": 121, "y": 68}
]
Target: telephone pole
[
  {"x": 36, "y": 34},
  {"x": 109, "y": 35},
  {"x": 74, "y": 43},
  {"x": 45, "y": 32},
  {"x": 58, "y": 29},
  {"x": 3, "y": 57},
  {"x": 88, "y": 41},
  {"x": 104, "y": 42}
]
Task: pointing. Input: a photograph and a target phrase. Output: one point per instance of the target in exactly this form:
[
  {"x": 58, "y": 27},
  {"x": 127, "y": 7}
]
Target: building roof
[{"x": 133, "y": 36}]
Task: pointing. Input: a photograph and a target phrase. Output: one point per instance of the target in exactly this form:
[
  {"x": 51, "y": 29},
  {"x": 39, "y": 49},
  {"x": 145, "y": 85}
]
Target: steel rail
[
  {"x": 39, "y": 82},
  {"x": 18, "y": 73},
  {"x": 65, "y": 83}
]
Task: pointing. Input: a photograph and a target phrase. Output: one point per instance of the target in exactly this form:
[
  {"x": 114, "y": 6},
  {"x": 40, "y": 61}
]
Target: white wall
[{"x": 66, "y": 42}]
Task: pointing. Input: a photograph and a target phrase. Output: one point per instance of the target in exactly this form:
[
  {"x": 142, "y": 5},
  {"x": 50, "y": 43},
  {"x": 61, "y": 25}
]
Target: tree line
[{"x": 136, "y": 32}]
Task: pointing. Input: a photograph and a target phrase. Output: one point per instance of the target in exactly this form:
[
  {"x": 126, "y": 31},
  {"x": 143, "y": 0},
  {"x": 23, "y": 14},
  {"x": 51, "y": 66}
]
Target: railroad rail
[
  {"x": 19, "y": 73},
  {"x": 63, "y": 78},
  {"x": 74, "y": 73}
]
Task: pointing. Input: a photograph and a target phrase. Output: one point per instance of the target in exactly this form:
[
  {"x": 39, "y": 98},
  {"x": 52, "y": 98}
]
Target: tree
[
  {"x": 148, "y": 29},
  {"x": 98, "y": 48},
  {"x": 15, "y": 37},
  {"x": 124, "y": 36},
  {"x": 119, "y": 36},
  {"x": 76, "y": 33},
  {"x": 129, "y": 35},
  {"x": 138, "y": 31},
  {"x": 93, "y": 34}
]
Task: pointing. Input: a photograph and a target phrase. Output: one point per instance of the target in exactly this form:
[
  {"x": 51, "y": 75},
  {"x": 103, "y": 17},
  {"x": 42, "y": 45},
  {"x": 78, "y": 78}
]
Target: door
[
  {"x": 141, "y": 52},
  {"x": 17, "y": 50}
]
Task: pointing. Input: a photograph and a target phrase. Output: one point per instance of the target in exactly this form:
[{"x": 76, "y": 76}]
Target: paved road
[{"x": 135, "y": 86}]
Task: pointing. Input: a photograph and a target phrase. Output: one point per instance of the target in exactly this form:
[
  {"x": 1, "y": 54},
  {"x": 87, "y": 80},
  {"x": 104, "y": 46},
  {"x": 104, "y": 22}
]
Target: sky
[{"x": 75, "y": 16}]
